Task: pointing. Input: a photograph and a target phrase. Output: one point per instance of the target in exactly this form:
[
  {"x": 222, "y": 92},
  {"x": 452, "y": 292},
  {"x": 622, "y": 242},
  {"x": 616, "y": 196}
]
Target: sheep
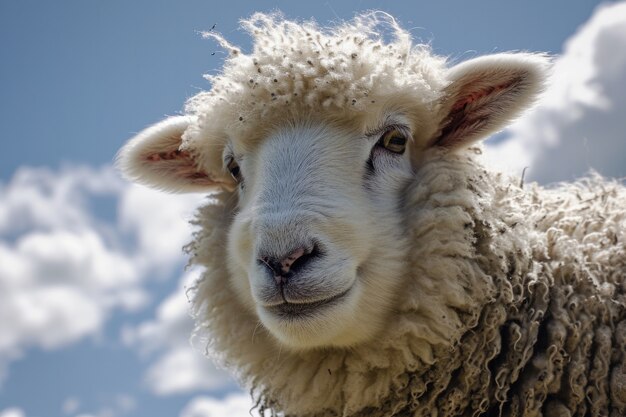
[{"x": 360, "y": 260}]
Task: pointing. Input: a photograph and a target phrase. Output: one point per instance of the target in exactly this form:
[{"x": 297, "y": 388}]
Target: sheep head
[{"x": 317, "y": 248}]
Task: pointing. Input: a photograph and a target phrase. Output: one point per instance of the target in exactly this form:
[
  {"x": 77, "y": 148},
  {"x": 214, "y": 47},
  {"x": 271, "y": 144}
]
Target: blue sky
[
  {"x": 79, "y": 77},
  {"x": 92, "y": 308}
]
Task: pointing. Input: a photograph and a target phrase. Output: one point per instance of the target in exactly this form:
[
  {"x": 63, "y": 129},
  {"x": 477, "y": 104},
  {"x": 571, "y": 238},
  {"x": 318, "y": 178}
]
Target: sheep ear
[
  {"x": 485, "y": 94},
  {"x": 155, "y": 157}
]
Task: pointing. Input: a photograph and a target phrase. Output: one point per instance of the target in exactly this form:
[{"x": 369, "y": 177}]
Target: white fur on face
[
  {"x": 311, "y": 186},
  {"x": 410, "y": 260}
]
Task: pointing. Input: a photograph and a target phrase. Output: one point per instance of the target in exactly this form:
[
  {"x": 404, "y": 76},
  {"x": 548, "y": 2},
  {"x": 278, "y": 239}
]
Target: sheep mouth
[{"x": 292, "y": 311}]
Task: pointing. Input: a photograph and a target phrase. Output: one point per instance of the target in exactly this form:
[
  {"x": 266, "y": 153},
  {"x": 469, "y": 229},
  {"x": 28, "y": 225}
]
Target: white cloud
[
  {"x": 37, "y": 198},
  {"x": 579, "y": 123},
  {"x": 64, "y": 267},
  {"x": 159, "y": 223},
  {"x": 235, "y": 405},
  {"x": 183, "y": 370},
  {"x": 12, "y": 412},
  {"x": 178, "y": 368}
]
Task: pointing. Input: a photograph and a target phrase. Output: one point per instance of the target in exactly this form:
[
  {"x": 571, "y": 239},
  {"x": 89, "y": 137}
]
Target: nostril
[
  {"x": 287, "y": 262},
  {"x": 285, "y": 266}
]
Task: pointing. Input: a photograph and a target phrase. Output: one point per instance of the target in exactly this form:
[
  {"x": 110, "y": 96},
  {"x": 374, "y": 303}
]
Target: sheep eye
[
  {"x": 234, "y": 169},
  {"x": 393, "y": 140}
]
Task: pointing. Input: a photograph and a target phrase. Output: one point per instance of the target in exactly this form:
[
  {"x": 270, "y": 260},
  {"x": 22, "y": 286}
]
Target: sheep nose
[{"x": 283, "y": 267}]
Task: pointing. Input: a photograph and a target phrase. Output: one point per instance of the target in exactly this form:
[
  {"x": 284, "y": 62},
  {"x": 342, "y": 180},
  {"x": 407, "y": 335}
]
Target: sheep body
[
  {"x": 533, "y": 322},
  {"x": 514, "y": 300}
]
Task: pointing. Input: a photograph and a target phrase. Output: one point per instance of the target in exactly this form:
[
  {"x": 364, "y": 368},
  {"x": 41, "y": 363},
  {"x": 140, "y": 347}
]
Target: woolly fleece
[{"x": 517, "y": 296}]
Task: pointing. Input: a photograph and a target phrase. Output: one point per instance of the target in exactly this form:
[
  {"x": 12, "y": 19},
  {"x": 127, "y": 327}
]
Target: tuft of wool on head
[
  {"x": 298, "y": 67},
  {"x": 334, "y": 68}
]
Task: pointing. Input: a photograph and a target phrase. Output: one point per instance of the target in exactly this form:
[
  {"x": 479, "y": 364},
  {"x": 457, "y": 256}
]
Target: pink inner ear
[
  {"x": 169, "y": 156},
  {"x": 473, "y": 111},
  {"x": 480, "y": 94},
  {"x": 181, "y": 163}
]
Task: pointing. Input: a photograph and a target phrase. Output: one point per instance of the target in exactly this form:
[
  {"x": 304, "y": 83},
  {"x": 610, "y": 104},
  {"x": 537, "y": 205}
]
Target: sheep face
[
  {"x": 317, "y": 245},
  {"x": 300, "y": 256}
]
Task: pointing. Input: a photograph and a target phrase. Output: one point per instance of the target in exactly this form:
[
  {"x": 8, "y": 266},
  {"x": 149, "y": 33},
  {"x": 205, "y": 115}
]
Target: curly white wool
[
  {"x": 297, "y": 68},
  {"x": 515, "y": 298}
]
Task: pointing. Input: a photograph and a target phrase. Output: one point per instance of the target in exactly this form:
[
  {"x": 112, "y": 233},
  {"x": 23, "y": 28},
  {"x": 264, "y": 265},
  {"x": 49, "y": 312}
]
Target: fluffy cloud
[
  {"x": 233, "y": 405},
  {"x": 12, "y": 412},
  {"x": 579, "y": 124},
  {"x": 39, "y": 198},
  {"x": 159, "y": 225},
  {"x": 66, "y": 263},
  {"x": 178, "y": 367}
]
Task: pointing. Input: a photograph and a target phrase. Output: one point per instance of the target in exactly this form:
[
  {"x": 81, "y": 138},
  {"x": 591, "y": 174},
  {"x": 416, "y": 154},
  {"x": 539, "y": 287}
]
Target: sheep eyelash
[
  {"x": 384, "y": 127},
  {"x": 225, "y": 160},
  {"x": 228, "y": 156}
]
